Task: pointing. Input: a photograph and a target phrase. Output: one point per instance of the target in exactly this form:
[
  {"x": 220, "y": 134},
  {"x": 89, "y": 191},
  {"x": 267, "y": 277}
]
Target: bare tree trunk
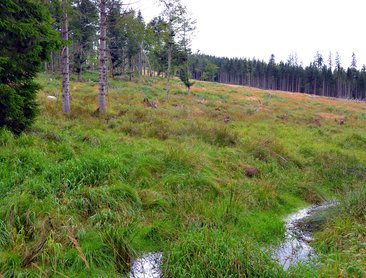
[
  {"x": 52, "y": 63},
  {"x": 187, "y": 64},
  {"x": 188, "y": 76},
  {"x": 169, "y": 70},
  {"x": 131, "y": 68},
  {"x": 66, "y": 108},
  {"x": 170, "y": 50},
  {"x": 102, "y": 57},
  {"x": 140, "y": 58}
]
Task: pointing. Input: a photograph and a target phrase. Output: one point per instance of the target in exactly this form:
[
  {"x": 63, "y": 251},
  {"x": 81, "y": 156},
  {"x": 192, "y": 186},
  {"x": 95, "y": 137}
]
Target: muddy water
[
  {"x": 147, "y": 266},
  {"x": 296, "y": 247}
]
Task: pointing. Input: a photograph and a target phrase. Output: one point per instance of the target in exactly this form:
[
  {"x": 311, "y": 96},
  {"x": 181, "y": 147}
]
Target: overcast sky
[{"x": 258, "y": 28}]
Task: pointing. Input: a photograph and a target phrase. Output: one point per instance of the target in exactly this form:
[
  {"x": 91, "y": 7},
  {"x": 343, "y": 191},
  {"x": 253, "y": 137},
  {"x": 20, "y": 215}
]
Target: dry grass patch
[{"x": 330, "y": 116}]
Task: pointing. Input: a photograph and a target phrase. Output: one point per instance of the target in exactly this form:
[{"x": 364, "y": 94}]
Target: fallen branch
[
  {"x": 75, "y": 242},
  {"x": 33, "y": 253}
]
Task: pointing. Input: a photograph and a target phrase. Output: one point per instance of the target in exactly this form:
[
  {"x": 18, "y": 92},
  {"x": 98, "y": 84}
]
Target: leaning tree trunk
[
  {"x": 102, "y": 57},
  {"x": 65, "y": 62}
]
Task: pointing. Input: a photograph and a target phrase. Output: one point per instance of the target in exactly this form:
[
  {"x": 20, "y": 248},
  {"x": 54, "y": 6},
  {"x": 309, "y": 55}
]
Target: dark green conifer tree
[
  {"x": 83, "y": 33},
  {"x": 116, "y": 36},
  {"x": 26, "y": 40}
]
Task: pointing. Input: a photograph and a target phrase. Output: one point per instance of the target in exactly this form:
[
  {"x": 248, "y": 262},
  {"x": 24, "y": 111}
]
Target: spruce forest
[
  {"x": 321, "y": 77},
  {"x": 126, "y": 153}
]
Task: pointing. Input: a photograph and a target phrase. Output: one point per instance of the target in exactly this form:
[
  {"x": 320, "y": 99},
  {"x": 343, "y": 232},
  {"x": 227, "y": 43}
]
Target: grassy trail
[{"x": 84, "y": 194}]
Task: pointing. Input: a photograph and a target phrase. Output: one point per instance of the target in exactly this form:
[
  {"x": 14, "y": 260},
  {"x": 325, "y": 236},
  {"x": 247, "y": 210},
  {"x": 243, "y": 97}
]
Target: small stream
[
  {"x": 147, "y": 266},
  {"x": 296, "y": 247}
]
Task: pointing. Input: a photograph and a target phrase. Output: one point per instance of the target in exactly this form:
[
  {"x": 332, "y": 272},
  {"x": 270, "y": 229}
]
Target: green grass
[{"x": 173, "y": 179}]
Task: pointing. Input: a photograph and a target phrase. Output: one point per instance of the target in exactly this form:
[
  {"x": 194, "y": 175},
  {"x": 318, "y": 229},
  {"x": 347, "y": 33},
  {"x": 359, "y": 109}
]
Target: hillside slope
[{"x": 85, "y": 194}]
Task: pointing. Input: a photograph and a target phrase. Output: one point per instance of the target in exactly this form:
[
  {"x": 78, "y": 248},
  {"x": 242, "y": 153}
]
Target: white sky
[{"x": 258, "y": 28}]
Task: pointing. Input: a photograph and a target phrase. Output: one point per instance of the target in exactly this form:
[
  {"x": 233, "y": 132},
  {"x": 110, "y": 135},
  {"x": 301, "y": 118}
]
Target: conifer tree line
[
  {"x": 325, "y": 78},
  {"x": 134, "y": 47}
]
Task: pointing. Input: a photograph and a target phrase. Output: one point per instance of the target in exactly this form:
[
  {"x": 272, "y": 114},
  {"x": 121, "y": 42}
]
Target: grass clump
[
  {"x": 354, "y": 202},
  {"x": 4, "y": 234},
  {"x": 213, "y": 253},
  {"x": 89, "y": 171}
]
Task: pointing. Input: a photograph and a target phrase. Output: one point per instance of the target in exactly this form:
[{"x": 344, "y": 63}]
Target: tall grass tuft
[
  {"x": 213, "y": 253},
  {"x": 118, "y": 242},
  {"x": 354, "y": 202},
  {"x": 4, "y": 234}
]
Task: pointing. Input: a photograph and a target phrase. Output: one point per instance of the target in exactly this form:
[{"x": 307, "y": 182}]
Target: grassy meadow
[{"x": 83, "y": 195}]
